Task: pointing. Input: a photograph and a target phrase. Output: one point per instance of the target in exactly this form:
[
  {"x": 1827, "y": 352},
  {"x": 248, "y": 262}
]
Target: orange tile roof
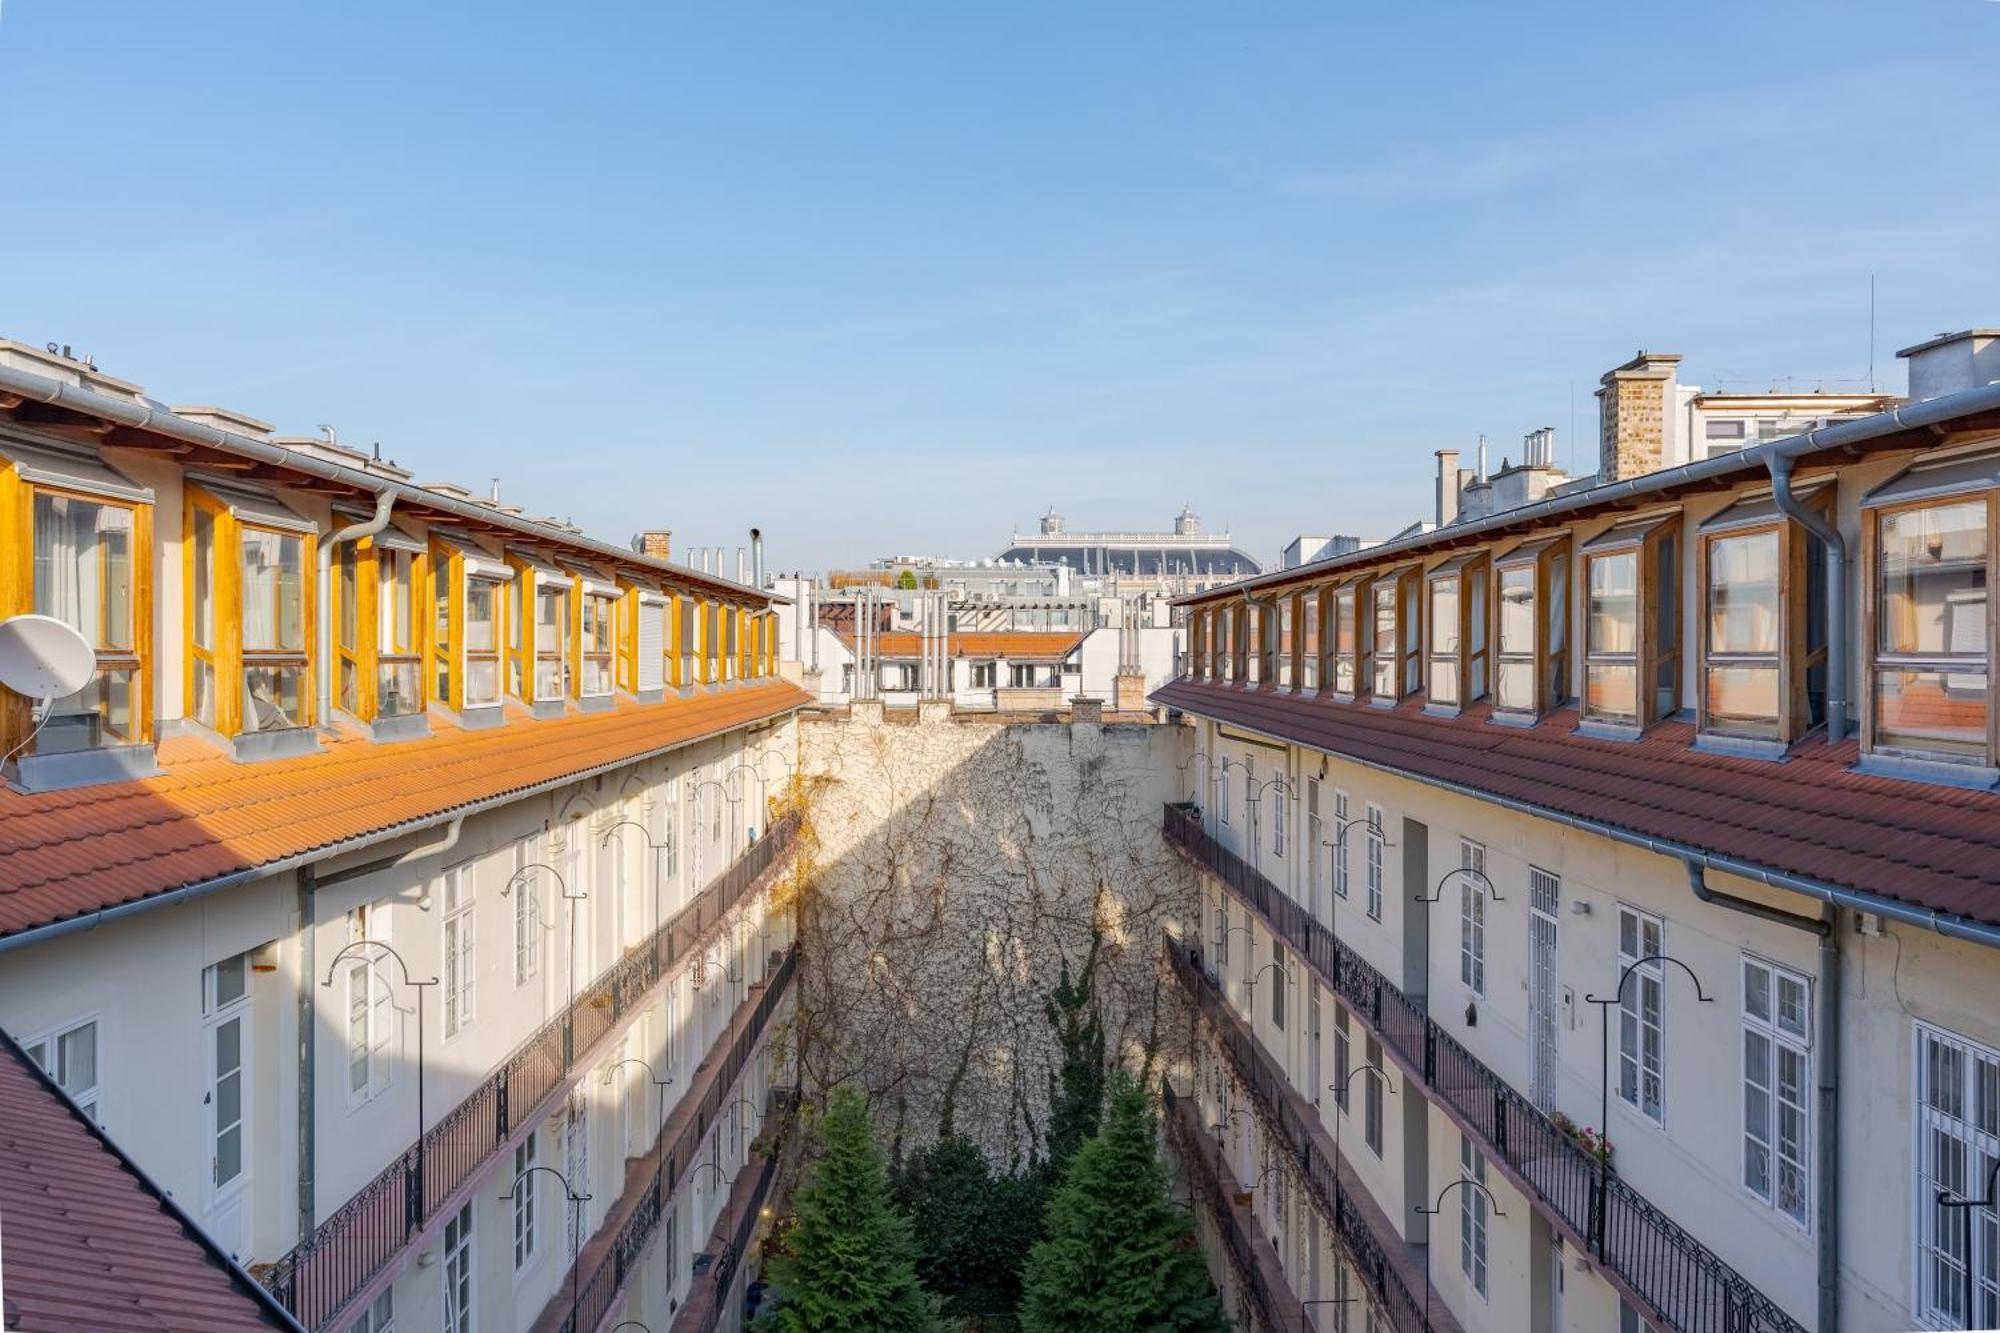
[
  {"x": 66, "y": 854},
  {"x": 1017, "y": 646}
]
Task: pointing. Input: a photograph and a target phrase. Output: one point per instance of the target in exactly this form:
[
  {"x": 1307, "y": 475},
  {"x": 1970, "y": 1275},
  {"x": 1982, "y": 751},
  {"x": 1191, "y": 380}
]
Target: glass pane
[
  {"x": 397, "y": 628},
  {"x": 1517, "y": 610},
  {"x": 1444, "y": 681},
  {"x": 229, "y": 1154},
  {"x": 204, "y": 693},
  {"x": 482, "y": 681},
  {"x": 1939, "y": 711},
  {"x": 204, "y": 580},
  {"x": 76, "y": 1058},
  {"x": 1743, "y": 700},
  {"x": 479, "y": 616},
  {"x": 1444, "y": 616},
  {"x": 83, "y": 567},
  {"x": 1514, "y": 685},
  {"x": 1611, "y": 690},
  {"x": 273, "y": 611},
  {"x": 271, "y": 696},
  {"x": 1614, "y": 603},
  {"x": 101, "y": 713},
  {"x": 399, "y": 688},
  {"x": 1743, "y": 594},
  {"x": 548, "y": 678},
  {"x": 1932, "y": 597},
  {"x": 229, "y": 980}
]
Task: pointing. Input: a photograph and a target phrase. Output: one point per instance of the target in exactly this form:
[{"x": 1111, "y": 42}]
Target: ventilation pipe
[
  {"x": 323, "y": 609},
  {"x": 756, "y": 558},
  {"x": 1779, "y": 463}
]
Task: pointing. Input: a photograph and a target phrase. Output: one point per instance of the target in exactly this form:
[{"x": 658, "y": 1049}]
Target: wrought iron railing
[
  {"x": 1688, "y": 1286},
  {"x": 1267, "y": 1085},
  {"x": 360, "y": 1238},
  {"x": 721, "y": 1276},
  {"x": 599, "y": 1291},
  {"x": 1204, "y": 1179}
]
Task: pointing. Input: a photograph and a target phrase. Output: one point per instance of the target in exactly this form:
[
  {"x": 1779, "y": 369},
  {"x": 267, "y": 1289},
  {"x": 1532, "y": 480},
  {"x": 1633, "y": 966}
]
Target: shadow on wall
[{"x": 960, "y": 866}]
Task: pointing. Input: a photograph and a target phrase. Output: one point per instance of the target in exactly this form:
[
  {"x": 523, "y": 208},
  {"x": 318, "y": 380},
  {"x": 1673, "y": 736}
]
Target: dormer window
[
  {"x": 1223, "y": 621},
  {"x": 538, "y": 632},
  {"x": 1287, "y": 645},
  {"x": 1632, "y": 624},
  {"x": 552, "y": 634},
  {"x": 1309, "y": 641},
  {"x": 1763, "y": 670},
  {"x": 1929, "y": 535},
  {"x": 89, "y": 529},
  {"x": 400, "y": 569},
  {"x": 248, "y": 660},
  {"x": 1348, "y": 661},
  {"x": 1456, "y": 605},
  {"x": 595, "y": 599},
  {"x": 1398, "y": 639},
  {"x": 469, "y": 590},
  {"x": 1531, "y": 629}
]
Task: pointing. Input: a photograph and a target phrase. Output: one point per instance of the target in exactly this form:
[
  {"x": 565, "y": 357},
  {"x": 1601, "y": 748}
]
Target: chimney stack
[
  {"x": 1633, "y": 407},
  {"x": 1447, "y": 487},
  {"x": 656, "y": 542}
]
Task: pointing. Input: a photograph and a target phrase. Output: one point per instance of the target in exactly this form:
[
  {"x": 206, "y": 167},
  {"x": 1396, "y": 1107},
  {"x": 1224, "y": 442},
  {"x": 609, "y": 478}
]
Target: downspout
[
  {"x": 1779, "y": 462},
  {"x": 308, "y": 1031},
  {"x": 1826, "y": 1146},
  {"x": 323, "y": 619}
]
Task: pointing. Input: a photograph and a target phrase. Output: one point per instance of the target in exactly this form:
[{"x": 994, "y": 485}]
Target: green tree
[
  {"x": 907, "y": 579},
  {"x": 1076, "y": 1085},
  {"x": 974, "y": 1226},
  {"x": 1119, "y": 1257},
  {"x": 849, "y": 1265}
]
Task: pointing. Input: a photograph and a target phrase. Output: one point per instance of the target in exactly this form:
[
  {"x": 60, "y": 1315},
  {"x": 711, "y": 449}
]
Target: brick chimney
[
  {"x": 656, "y": 542},
  {"x": 1634, "y": 415}
]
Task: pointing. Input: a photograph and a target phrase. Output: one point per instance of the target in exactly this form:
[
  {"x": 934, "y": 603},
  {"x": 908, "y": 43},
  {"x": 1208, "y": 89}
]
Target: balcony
[
  {"x": 1258, "y": 1274},
  {"x": 612, "y": 1257},
  {"x": 358, "y": 1243},
  {"x": 1392, "y": 1268},
  {"x": 709, "y": 1299},
  {"x": 1678, "y": 1282}
]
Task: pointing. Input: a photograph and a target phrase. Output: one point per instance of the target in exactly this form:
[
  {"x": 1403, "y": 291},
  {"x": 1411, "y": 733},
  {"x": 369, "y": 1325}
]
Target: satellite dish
[{"x": 43, "y": 658}]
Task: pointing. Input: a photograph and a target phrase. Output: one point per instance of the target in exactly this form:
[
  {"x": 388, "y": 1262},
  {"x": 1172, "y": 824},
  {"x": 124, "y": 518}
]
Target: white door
[
  {"x": 576, "y": 1169},
  {"x": 229, "y": 1161},
  {"x": 1544, "y": 892}
]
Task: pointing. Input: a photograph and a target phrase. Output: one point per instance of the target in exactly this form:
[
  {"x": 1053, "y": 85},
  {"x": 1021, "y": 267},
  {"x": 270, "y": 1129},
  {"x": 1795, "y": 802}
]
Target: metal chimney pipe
[
  {"x": 757, "y": 557},
  {"x": 742, "y": 566}
]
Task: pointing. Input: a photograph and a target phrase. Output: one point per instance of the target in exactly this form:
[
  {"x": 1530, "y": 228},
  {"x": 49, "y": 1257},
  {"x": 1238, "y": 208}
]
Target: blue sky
[{"x": 894, "y": 278}]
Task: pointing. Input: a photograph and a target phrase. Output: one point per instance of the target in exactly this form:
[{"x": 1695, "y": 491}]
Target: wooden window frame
[
  {"x": 1874, "y": 661},
  {"x": 226, "y": 658},
  {"x": 17, "y": 597},
  {"x": 1653, "y": 661},
  {"x": 416, "y": 653},
  {"x": 1358, "y": 596},
  {"x": 1408, "y": 634},
  {"x": 1794, "y": 658},
  {"x": 1474, "y": 617},
  {"x": 1549, "y": 559}
]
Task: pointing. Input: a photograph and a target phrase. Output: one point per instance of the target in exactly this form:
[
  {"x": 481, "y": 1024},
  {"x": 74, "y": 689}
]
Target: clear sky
[{"x": 894, "y": 278}]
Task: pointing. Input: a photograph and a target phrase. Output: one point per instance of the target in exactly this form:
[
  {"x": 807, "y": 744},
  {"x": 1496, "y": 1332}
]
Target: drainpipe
[
  {"x": 1779, "y": 462},
  {"x": 1826, "y": 1146},
  {"x": 323, "y": 672},
  {"x": 308, "y": 1029}
]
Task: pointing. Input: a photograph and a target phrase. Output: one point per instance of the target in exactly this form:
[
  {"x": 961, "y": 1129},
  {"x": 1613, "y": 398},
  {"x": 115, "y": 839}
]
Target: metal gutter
[
  {"x": 1934, "y": 412},
  {"x": 1779, "y": 464},
  {"x": 1859, "y": 900},
  {"x": 235, "y": 878},
  {"x": 140, "y": 416}
]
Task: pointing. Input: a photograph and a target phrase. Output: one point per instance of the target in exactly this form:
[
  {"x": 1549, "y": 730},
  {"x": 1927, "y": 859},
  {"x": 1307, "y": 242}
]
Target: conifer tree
[
  {"x": 1118, "y": 1256},
  {"x": 1076, "y": 1085},
  {"x": 850, "y": 1262},
  {"x": 974, "y": 1226}
]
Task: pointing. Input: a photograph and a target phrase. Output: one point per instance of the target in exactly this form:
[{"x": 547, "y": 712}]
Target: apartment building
[
  {"x": 1602, "y": 896},
  {"x": 398, "y": 894}
]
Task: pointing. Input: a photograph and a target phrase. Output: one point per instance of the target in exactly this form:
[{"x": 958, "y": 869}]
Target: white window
[
  {"x": 670, "y": 853},
  {"x": 1472, "y": 916},
  {"x": 1281, "y": 795},
  {"x": 458, "y": 939},
  {"x": 1642, "y": 1015},
  {"x": 1343, "y": 1056},
  {"x": 1340, "y": 840},
  {"x": 1472, "y": 1207},
  {"x": 1777, "y": 1082},
  {"x": 525, "y": 889},
  {"x": 1371, "y": 1099},
  {"x": 69, "y": 1057},
  {"x": 458, "y": 1272},
  {"x": 715, "y": 795},
  {"x": 1373, "y": 834},
  {"x": 1225, "y": 791},
  {"x": 1958, "y": 1141},
  {"x": 1279, "y": 974},
  {"x": 225, "y": 1002},
  {"x": 1312, "y": 1039},
  {"x": 371, "y": 1012},
  {"x": 379, "y": 1317},
  {"x": 1314, "y": 837},
  {"x": 526, "y": 1203},
  {"x": 1222, "y": 938}
]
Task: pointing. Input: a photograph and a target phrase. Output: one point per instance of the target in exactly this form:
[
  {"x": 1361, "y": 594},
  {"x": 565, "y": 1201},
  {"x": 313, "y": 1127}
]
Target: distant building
[{"x": 1184, "y": 560}]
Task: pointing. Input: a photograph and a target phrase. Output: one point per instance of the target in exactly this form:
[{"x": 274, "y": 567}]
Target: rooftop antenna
[
  {"x": 44, "y": 659},
  {"x": 328, "y": 431},
  {"x": 1871, "y": 333}
]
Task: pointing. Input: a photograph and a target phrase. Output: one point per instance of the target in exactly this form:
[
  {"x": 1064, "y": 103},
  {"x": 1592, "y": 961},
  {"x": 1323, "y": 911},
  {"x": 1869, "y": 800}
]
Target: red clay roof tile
[
  {"x": 1810, "y": 814},
  {"x": 70, "y": 853}
]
